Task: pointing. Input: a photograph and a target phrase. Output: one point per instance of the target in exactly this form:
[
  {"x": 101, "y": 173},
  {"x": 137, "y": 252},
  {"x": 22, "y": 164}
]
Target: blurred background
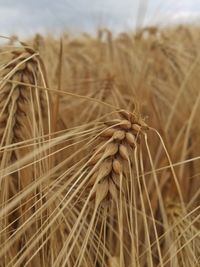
[{"x": 26, "y": 17}]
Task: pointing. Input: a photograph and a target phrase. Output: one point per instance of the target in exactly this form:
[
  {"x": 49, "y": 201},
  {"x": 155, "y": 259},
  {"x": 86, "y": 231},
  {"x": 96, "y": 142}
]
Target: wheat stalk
[{"x": 23, "y": 111}]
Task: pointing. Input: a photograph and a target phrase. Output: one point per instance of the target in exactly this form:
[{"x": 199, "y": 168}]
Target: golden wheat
[{"x": 100, "y": 150}]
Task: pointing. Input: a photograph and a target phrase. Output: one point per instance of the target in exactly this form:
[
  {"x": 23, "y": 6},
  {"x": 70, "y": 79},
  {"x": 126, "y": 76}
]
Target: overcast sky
[{"x": 29, "y": 16}]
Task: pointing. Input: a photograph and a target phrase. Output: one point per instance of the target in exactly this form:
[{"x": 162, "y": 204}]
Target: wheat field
[{"x": 99, "y": 152}]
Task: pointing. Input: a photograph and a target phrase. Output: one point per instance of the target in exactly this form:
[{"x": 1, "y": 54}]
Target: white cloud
[
  {"x": 28, "y": 16},
  {"x": 186, "y": 16}
]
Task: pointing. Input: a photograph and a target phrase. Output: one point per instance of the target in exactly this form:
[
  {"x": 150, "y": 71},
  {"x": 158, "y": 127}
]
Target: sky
[{"x": 26, "y": 17}]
